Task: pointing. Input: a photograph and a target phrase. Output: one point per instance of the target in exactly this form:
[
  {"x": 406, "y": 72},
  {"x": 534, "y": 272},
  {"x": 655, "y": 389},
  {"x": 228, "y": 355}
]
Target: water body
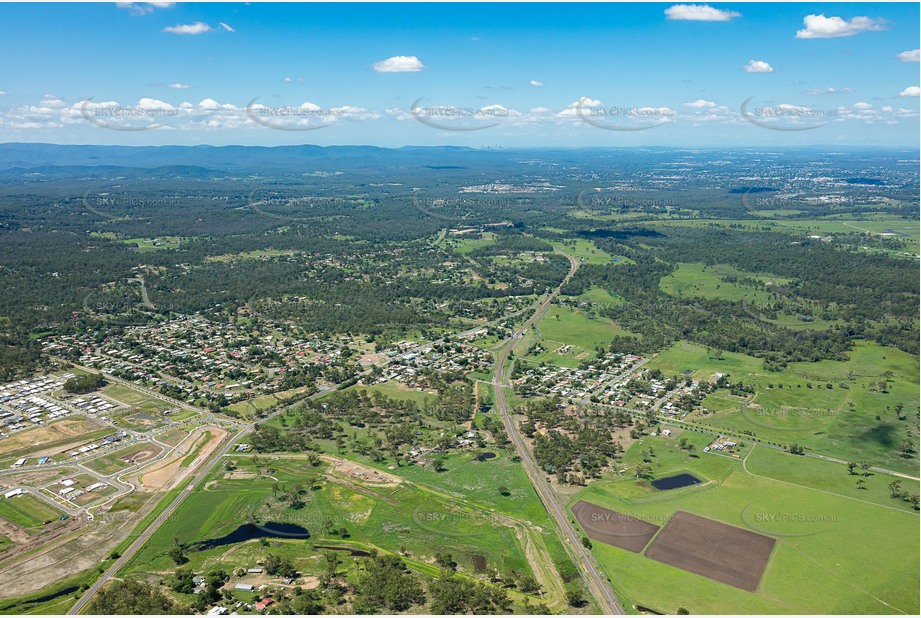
[
  {"x": 250, "y": 531},
  {"x": 674, "y": 482},
  {"x": 485, "y": 456}
]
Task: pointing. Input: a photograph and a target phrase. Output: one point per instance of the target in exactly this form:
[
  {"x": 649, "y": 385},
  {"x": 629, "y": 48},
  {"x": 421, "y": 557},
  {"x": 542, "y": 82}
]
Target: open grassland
[
  {"x": 830, "y": 407},
  {"x": 573, "y": 327},
  {"x": 585, "y": 251},
  {"x": 701, "y": 281},
  {"x": 134, "y": 398},
  {"x": 252, "y": 407},
  {"x": 470, "y": 242},
  {"x": 392, "y": 517},
  {"x": 27, "y": 511},
  {"x": 834, "y": 552},
  {"x": 397, "y": 390}
]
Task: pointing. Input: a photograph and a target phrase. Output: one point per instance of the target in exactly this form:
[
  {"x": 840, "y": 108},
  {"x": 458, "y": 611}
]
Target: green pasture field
[
  {"x": 701, "y": 281},
  {"x": 136, "y": 399},
  {"x": 569, "y": 326},
  {"x": 27, "y": 511},
  {"x": 839, "y": 421},
  {"x": 421, "y": 521},
  {"x": 834, "y": 553},
  {"x": 585, "y": 251}
]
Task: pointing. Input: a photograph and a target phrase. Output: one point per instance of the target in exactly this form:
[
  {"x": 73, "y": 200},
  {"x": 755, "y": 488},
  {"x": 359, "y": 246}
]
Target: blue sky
[{"x": 461, "y": 74}]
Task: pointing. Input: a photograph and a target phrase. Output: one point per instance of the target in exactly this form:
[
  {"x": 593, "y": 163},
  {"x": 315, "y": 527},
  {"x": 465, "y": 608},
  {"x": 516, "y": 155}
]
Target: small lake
[
  {"x": 250, "y": 531},
  {"x": 674, "y": 482},
  {"x": 485, "y": 456}
]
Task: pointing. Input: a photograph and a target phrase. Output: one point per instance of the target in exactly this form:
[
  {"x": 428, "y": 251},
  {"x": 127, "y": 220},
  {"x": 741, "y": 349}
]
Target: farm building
[{"x": 244, "y": 587}]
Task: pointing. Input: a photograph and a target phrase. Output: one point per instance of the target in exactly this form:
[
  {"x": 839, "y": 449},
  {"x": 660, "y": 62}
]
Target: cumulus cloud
[
  {"x": 821, "y": 27},
  {"x": 758, "y": 66},
  {"x": 862, "y": 105},
  {"x": 536, "y": 83},
  {"x": 913, "y": 55},
  {"x": 398, "y": 64},
  {"x": 698, "y": 12},
  {"x": 911, "y": 91},
  {"x": 196, "y": 28},
  {"x": 178, "y": 86},
  {"x": 829, "y": 90},
  {"x": 143, "y": 8},
  {"x": 3, "y": 93},
  {"x": 700, "y": 104}
]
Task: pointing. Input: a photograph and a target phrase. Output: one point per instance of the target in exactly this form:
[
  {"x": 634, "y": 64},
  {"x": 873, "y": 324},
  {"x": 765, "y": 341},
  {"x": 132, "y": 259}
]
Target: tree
[
  {"x": 586, "y": 542},
  {"x": 178, "y": 555},
  {"x": 850, "y": 467},
  {"x": 445, "y": 561},
  {"x": 504, "y": 491},
  {"x": 575, "y": 598},
  {"x": 895, "y": 489},
  {"x": 682, "y": 611},
  {"x": 130, "y": 597}
]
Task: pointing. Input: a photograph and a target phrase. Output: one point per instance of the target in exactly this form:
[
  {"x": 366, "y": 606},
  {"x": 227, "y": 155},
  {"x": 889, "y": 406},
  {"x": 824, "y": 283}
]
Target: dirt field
[
  {"x": 613, "y": 528},
  {"x": 713, "y": 549},
  {"x": 169, "y": 471},
  {"x": 51, "y": 439},
  {"x": 362, "y": 473}
]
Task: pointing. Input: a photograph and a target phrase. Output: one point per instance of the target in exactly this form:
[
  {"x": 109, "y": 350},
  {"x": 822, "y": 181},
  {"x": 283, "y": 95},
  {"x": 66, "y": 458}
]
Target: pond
[
  {"x": 249, "y": 531},
  {"x": 674, "y": 482},
  {"x": 485, "y": 456}
]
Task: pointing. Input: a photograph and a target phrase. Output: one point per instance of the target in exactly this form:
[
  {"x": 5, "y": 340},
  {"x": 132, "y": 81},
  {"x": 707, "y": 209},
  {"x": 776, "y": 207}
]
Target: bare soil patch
[
  {"x": 613, "y": 528},
  {"x": 713, "y": 549}
]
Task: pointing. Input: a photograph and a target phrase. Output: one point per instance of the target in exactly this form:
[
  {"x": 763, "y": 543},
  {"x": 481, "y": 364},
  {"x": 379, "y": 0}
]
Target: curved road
[
  {"x": 594, "y": 578},
  {"x": 145, "y": 535}
]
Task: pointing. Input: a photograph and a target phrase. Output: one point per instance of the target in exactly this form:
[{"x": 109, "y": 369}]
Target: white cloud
[
  {"x": 286, "y": 79},
  {"x": 196, "y": 28},
  {"x": 3, "y": 93},
  {"x": 142, "y": 8},
  {"x": 699, "y": 12},
  {"x": 758, "y": 66},
  {"x": 536, "y": 83},
  {"x": 911, "y": 91},
  {"x": 539, "y": 110},
  {"x": 52, "y": 101},
  {"x": 700, "y": 104},
  {"x": 862, "y": 105},
  {"x": 226, "y": 27},
  {"x": 828, "y": 91},
  {"x": 178, "y": 86},
  {"x": 910, "y": 56},
  {"x": 821, "y": 27},
  {"x": 399, "y": 64}
]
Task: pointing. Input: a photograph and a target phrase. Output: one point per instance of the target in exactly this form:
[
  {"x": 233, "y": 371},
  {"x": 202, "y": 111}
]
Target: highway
[
  {"x": 594, "y": 578},
  {"x": 583, "y": 559}
]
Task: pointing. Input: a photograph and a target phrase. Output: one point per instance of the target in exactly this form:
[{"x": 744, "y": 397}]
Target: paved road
[
  {"x": 597, "y": 582},
  {"x": 145, "y": 535}
]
